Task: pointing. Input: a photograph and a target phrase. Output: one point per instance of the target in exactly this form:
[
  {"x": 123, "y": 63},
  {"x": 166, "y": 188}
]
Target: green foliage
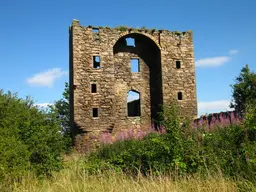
[
  {"x": 30, "y": 138},
  {"x": 184, "y": 150},
  {"x": 153, "y": 30},
  {"x": 14, "y": 155},
  {"x": 250, "y": 133},
  {"x": 134, "y": 155},
  {"x": 62, "y": 108},
  {"x": 177, "y": 32},
  {"x": 122, "y": 28},
  {"x": 244, "y": 90},
  {"x": 250, "y": 122},
  {"x": 224, "y": 149},
  {"x": 170, "y": 119},
  {"x": 155, "y": 153}
]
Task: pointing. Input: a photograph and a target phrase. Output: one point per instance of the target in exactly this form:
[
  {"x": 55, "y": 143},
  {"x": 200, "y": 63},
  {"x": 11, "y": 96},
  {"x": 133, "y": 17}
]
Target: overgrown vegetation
[
  {"x": 33, "y": 142},
  {"x": 183, "y": 150},
  {"x": 62, "y": 109},
  {"x": 226, "y": 148},
  {"x": 74, "y": 178},
  {"x": 30, "y": 138}
]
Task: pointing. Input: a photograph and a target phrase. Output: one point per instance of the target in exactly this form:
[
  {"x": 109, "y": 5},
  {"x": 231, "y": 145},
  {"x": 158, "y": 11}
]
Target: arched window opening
[{"x": 133, "y": 104}]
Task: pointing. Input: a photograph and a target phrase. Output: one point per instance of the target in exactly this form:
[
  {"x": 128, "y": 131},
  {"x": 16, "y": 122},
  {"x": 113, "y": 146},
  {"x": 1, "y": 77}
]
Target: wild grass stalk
[
  {"x": 70, "y": 180},
  {"x": 75, "y": 179}
]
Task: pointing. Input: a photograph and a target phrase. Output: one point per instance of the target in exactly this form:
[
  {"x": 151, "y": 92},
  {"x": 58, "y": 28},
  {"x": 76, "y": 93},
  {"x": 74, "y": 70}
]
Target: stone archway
[{"x": 147, "y": 79}]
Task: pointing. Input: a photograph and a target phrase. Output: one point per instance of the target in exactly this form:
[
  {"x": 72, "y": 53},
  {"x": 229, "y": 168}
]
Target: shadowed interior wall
[{"x": 147, "y": 81}]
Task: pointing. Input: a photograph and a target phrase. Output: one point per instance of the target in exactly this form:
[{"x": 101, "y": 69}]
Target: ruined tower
[{"x": 102, "y": 74}]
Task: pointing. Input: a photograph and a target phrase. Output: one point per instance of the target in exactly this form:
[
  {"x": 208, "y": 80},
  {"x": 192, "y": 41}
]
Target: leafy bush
[
  {"x": 183, "y": 149},
  {"x": 30, "y": 138},
  {"x": 154, "y": 153},
  {"x": 134, "y": 155}
]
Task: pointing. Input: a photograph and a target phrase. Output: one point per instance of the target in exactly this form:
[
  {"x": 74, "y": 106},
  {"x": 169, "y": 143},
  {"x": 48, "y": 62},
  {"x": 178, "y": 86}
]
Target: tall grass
[
  {"x": 68, "y": 181},
  {"x": 72, "y": 179}
]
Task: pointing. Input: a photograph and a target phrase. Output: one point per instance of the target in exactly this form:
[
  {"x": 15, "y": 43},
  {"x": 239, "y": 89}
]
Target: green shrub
[
  {"x": 134, "y": 155},
  {"x": 183, "y": 150},
  {"x": 14, "y": 156},
  {"x": 30, "y": 139}
]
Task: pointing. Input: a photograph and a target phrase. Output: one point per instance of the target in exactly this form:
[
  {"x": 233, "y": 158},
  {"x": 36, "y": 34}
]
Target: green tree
[
  {"x": 62, "y": 108},
  {"x": 30, "y": 138},
  {"x": 244, "y": 90}
]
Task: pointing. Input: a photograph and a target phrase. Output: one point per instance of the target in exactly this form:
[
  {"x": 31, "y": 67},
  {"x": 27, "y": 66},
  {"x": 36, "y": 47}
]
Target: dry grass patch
[{"x": 73, "y": 181}]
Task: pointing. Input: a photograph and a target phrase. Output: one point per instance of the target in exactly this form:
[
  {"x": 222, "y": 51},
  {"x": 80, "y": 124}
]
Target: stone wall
[{"x": 101, "y": 56}]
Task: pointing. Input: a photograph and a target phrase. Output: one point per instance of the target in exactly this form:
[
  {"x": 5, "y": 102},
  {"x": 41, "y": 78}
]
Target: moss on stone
[
  {"x": 122, "y": 28},
  {"x": 177, "y": 32}
]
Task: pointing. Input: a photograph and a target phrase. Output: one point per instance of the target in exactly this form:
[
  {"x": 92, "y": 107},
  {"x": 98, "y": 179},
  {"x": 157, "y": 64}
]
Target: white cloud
[
  {"x": 213, "y": 106},
  {"x": 233, "y": 52},
  {"x": 44, "y": 105},
  {"x": 47, "y": 78},
  {"x": 212, "y": 61}
]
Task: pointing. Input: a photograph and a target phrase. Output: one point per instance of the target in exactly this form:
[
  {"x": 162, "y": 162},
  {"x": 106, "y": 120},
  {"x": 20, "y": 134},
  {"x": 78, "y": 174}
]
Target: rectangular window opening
[
  {"x": 130, "y": 41},
  {"x": 95, "y": 112},
  {"x": 133, "y": 103},
  {"x": 96, "y": 62},
  {"x": 94, "y": 88},
  {"x": 95, "y": 30},
  {"x": 179, "y": 96},
  {"x": 178, "y": 64},
  {"x": 135, "y": 65}
]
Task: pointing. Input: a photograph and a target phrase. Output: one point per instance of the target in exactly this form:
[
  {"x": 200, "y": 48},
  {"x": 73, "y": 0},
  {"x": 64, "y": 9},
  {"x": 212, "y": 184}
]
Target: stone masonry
[{"x": 101, "y": 77}]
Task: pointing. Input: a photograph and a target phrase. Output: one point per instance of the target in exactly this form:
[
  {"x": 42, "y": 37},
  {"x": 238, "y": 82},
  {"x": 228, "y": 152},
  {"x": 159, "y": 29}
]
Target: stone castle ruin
[{"x": 106, "y": 64}]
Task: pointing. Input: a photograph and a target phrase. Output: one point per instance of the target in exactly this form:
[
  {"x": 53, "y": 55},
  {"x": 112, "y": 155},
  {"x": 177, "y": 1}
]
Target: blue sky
[{"x": 34, "y": 41}]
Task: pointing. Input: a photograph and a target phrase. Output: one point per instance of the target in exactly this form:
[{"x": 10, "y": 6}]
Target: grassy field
[
  {"x": 72, "y": 179},
  {"x": 69, "y": 180}
]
